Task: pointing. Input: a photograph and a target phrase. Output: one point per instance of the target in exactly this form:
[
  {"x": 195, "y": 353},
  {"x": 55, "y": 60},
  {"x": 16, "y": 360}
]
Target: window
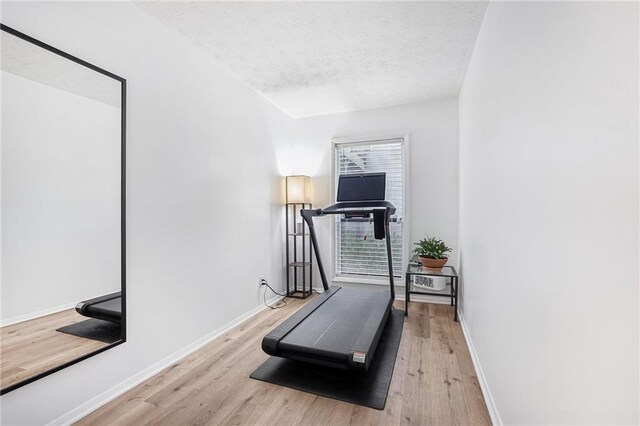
[{"x": 357, "y": 253}]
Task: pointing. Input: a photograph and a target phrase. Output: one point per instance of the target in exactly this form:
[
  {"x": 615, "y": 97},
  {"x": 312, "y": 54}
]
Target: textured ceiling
[{"x": 313, "y": 58}]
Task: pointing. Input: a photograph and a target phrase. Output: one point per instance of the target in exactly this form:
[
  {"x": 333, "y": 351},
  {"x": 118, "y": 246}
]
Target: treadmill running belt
[{"x": 334, "y": 327}]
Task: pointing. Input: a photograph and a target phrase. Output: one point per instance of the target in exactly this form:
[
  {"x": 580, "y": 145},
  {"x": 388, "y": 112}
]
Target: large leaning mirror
[{"x": 62, "y": 210}]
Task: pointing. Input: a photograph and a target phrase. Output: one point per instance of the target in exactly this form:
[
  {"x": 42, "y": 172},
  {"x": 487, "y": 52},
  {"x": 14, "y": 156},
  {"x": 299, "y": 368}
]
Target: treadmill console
[{"x": 361, "y": 187}]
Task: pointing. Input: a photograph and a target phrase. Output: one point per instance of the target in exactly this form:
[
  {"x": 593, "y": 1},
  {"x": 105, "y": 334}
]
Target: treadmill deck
[
  {"x": 107, "y": 307},
  {"x": 350, "y": 322}
]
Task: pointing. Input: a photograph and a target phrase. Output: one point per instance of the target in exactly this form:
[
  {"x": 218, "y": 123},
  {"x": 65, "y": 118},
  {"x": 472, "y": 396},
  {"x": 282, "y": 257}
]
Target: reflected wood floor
[
  {"x": 434, "y": 382},
  {"x": 33, "y": 347}
]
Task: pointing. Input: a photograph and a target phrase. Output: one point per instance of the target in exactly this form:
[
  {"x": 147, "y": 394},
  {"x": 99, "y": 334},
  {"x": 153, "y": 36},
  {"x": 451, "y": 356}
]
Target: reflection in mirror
[{"x": 61, "y": 210}]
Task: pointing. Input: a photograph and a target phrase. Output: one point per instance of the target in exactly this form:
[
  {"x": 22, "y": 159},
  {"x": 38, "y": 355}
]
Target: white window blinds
[{"x": 357, "y": 252}]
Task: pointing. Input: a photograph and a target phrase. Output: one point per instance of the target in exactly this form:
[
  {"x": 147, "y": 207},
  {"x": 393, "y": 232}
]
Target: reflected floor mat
[
  {"x": 94, "y": 329},
  {"x": 367, "y": 388}
]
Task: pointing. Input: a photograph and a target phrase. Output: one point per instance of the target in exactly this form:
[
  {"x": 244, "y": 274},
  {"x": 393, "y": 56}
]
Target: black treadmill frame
[{"x": 358, "y": 358}]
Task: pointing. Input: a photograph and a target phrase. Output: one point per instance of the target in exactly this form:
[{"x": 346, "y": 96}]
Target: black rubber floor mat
[
  {"x": 368, "y": 388},
  {"x": 94, "y": 329}
]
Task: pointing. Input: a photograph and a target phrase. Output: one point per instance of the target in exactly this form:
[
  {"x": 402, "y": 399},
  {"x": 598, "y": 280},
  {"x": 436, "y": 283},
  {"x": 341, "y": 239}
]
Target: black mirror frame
[{"x": 123, "y": 118}]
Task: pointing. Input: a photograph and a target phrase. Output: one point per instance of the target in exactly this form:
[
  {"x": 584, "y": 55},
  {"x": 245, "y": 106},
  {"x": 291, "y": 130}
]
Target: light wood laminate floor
[
  {"x": 434, "y": 383},
  {"x": 33, "y": 347}
]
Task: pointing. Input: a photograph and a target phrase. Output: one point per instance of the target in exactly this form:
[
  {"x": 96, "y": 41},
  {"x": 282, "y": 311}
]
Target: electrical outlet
[{"x": 261, "y": 281}]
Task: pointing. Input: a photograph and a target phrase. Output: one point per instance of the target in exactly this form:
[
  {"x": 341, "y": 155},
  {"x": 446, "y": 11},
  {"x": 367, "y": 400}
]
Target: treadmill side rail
[{"x": 368, "y": 339}]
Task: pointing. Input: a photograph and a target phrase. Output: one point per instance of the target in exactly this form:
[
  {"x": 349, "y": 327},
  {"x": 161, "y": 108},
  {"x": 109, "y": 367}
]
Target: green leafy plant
[{"x": 432, "y": 248}]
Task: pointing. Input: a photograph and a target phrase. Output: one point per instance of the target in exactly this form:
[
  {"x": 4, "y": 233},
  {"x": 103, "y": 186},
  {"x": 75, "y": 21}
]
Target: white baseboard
[
  {"x": 109, "y": 395},
  {"x": 482, "y": 380},
  {"x": 38, "y": 314}
]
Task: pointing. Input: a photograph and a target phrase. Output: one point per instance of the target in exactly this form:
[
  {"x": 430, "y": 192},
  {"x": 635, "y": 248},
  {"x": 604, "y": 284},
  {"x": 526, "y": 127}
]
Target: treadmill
[
  {"x": 107, "y": 307},
  {"x": 341, "y": 327}
]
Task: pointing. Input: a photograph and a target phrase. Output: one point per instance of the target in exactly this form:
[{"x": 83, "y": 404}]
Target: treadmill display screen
[{"x": 362, "y": 187}]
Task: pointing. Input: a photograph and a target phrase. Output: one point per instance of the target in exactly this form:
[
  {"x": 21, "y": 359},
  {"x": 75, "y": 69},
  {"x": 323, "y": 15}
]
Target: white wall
[
  {"x": 433, "y": 164},
  {"x": 549, "y": 210},
  {"x": 203, "y": 218},
  {"x": 204, "y": 196},
  {"x": 60, "y": 198}
]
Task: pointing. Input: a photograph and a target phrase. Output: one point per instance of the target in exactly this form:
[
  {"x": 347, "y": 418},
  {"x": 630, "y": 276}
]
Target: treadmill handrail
[{"x": 347, "y": 207}]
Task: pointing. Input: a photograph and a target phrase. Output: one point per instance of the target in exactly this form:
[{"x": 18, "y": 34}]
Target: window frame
[{"x": 363, "y": 140}]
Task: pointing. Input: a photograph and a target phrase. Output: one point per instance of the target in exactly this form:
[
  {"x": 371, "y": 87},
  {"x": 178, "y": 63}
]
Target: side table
[{"x": 446, "y": 271}]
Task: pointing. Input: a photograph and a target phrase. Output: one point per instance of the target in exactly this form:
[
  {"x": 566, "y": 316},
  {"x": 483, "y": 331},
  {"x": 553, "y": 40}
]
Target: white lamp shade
[{"x": 298, "y": 189}]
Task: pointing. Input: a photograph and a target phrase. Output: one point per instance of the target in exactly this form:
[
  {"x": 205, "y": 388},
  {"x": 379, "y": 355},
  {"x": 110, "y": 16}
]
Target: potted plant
[{"x": 432, "y": 252}]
